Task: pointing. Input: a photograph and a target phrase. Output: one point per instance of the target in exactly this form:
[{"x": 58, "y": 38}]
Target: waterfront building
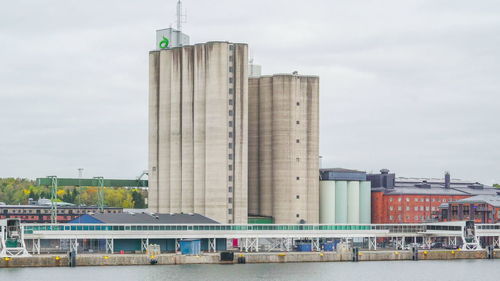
[
  {"x": 479, "y": 208},
  {"x": 41, "y": 213},
  {"x": 345, "y": 197},
  {"x": 283, "y": 148},
  {"x": 198, "y": 126},
  {"x": 416, "y": 200}
]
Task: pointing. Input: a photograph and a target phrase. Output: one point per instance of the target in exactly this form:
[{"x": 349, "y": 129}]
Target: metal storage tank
[
  {"x": 327, "y": 202},
  {"x": 353, "y": 202},
  {"x": 365, "y": 202},
  {"x": 340, "y": 202}
]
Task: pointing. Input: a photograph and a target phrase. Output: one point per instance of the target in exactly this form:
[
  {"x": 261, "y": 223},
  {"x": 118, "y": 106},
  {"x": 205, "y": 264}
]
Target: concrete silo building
[
  {"x": 283, "y": 148},
  {"x": 198, "y": 126},
  {"x": 345, "y": 197}
]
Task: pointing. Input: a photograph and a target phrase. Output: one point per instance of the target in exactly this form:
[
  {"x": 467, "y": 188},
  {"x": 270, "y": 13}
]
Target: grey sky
[{"x": 412, "y": 86}]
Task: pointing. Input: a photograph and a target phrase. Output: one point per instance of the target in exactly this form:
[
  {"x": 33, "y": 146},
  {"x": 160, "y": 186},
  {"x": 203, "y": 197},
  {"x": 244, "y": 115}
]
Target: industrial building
[
  {"x": 417, "y": 200},
  {"x": 345, "y": 197},
  {"x": 138, "y": 222},
  {"x": 41, "y": 213},
  {"x": 283, "y": 148},
  {"x": 198, "y": 126},
  {"x": 479, "y": 208}
]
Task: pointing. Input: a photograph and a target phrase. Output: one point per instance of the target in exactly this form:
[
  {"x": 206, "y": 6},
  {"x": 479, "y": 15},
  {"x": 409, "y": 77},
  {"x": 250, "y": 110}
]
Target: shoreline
[{"x": 51, "y": 260}]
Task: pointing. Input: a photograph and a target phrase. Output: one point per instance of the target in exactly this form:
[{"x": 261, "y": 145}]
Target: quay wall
[{"x": 214, "y": 258}]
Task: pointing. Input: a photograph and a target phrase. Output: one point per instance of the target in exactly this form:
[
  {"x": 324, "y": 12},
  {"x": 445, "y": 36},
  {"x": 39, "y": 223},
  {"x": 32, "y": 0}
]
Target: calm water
[{"x": 467, "y": 270}]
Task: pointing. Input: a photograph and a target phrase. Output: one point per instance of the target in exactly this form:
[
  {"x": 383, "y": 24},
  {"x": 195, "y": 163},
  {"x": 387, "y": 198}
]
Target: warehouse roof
[
  {"x": 144, "y": 218},
  {"x": 493, "y": 200}
]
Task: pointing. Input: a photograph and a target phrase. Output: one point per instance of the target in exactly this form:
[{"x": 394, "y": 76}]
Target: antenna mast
[{"x": 179, "y": 15}]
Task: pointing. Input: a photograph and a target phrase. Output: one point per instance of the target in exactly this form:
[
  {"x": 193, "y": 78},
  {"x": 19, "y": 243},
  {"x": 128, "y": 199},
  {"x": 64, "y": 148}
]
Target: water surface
[{"x": 457, "y": 270}]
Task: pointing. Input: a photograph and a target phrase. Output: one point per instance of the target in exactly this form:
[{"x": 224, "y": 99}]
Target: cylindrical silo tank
[
  {"x": 353, "y": 202},
  {"x": 365, "y": 202},
  {"x": 340, "y": 202},
  {"x": 327, "y": 202}
]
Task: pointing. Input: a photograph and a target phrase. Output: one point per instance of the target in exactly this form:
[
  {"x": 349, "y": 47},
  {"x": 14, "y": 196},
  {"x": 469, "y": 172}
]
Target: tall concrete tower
[
  {"x": 198, "y": 126},
  {"x": 283, "y": 148}
]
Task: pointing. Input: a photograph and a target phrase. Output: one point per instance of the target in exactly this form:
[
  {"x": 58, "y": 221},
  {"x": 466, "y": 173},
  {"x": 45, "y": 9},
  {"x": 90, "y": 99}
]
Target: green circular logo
[{"x": 164, "y": 43}]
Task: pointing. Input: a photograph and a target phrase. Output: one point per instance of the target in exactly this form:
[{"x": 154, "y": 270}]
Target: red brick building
[
  {"x": 412, "y": 200},
  {"x": 480, "y": 209},
  {"x": 41, "y": 213}
]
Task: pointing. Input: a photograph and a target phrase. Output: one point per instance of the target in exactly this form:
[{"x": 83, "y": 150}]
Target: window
[
  {"x": 421, "y": 208},
  {"x": 230, "y": 69},
  {"x": 416, "y": 199},
  {"x": 399, "y": 199},
  {"x": 230, "y": 79},
  {"x": 433, "y": 208},
  {"x": 230, "y": 167},
  {"x": 407, "y": 208},
  {"x": 427, "y": 208},
  {"x": 433, "y": 200},
  {"x": 390, "y": 208},
  {"x": 421, "y": 199},
  {"x": 230, "y": 178},
  {"x": 230, "y": 145},
  {"x": 230, "y": 189},
  {"x": 399, "y": 208},
  {"x": 297, "y": 140},
  {"x": 407, "y": 199},
  {"x": 391, "y": 218},
  {"x": 230, "y": 101},
  {"x": 390, "y": 199},
  {"x": 230, "y": 156},
  {"x": 416, "y": 218},
  {"x": 298, "y": 103},
  {"x": 230, "y": 91},
  {"x": 416, "y": 208},
  {"x": 444, "y": 200},
  {"x": 230, "y": 123},
  {"x": 422, "y": 218},
  {"x": 230, "y": 57},
  {"x": 297, "y": 122},
  {"x": 298, "y": 178},
  {"x": 230, "y": 113},
  {"x": 230, "y": 211},
  {"x": 298, "y": 196},
  {"x": 297, "y": 215},
  {"x": 297, "y": 159},
  {"x": 231, "y": 47},
  {"x": 230, "y": 134},
  {"x": 426, "y": 199},
  {"x": 229, "y": 200},
  {"x": 466, "y": 210}
]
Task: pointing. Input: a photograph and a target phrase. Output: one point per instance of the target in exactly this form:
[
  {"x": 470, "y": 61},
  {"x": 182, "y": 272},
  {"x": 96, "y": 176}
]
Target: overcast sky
[{"x": 412, "y": 86}]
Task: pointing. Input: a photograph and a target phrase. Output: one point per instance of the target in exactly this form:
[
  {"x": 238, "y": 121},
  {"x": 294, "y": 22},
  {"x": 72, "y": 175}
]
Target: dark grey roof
[
  {"x": 422, "y": 191},
  {"x": 340, "y": 170},
  {"x": 439, "y": 189},
  {"x": 139, "y": 218},
  {"x": 493, "y": 200}
]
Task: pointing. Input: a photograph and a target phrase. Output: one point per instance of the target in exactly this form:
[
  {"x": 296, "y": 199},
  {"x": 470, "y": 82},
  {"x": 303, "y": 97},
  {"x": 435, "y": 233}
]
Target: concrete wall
[
  {"x": 213, "y": 258},
  {"x": 198, "y": 136},
  {"x": 284, "y": 147}
]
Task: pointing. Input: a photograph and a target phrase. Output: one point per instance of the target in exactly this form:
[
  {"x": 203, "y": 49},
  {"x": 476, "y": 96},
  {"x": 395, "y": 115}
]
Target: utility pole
[{"x": 53, "y": 199}]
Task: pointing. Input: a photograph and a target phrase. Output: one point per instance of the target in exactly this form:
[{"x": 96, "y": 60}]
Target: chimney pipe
[{"x": 447, "y": 180}]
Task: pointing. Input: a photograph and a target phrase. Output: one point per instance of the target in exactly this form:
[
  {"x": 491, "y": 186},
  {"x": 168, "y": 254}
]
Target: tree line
[{"x": 15, "y": 191}]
